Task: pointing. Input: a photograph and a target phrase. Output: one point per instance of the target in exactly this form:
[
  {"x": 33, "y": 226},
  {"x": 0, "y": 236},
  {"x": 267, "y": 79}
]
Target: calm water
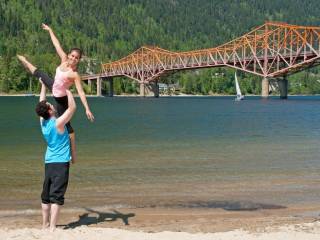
[{"x": 170, "y": 152}]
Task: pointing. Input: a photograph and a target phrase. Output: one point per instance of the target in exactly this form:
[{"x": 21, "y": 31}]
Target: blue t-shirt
[{"x": 58, "y": 149}]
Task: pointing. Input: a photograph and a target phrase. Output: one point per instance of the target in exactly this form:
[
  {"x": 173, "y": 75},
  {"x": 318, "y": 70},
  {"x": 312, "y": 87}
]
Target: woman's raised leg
[{"x": 29, "y": 66}]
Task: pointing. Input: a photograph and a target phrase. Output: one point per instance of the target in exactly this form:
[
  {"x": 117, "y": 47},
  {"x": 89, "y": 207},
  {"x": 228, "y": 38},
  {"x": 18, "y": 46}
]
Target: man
[{"x": 57, "y": 157}]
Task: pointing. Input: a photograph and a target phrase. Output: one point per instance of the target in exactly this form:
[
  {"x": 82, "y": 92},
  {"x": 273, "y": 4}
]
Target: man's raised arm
[
  {"x": 67, "y": 115},
  {"x": 42, "y": 93}
]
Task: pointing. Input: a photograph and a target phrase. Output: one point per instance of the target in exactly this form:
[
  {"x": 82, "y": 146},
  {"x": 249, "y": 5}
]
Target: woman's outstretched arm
[
  {"x": 56, "y": 43},
  {"x": 77, "y": 82}
]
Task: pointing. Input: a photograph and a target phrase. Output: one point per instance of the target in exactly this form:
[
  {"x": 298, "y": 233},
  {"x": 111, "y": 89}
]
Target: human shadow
[{"x": 98, "y": 217}]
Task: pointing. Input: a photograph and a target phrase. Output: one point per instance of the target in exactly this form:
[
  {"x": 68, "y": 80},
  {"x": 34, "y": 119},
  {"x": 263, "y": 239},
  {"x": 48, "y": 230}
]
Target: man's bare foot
[
  {"x": 52, "y": 229},
  {"x": 45, "y": 226}
]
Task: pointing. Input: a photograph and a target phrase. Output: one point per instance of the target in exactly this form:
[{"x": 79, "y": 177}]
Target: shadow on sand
[
  {"x": 230, "y": 205},
  {"x": 87, "y": 220},
  {"x": 94, "y": 217}
]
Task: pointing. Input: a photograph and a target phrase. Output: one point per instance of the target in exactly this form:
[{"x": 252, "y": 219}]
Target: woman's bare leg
[{"x": 31, "y": 68}]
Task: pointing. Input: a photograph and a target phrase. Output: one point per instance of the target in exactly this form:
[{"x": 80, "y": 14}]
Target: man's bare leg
[
  {"x": 31, "y": 68},
  {"x": 45, "y": 215},
  {"x": 73, "y": 147},
  {"x": 55, "y": 209}
]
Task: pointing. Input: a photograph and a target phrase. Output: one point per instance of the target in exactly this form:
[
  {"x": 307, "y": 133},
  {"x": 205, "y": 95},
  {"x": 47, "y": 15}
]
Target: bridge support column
[
  {"x": 153, "y": 89},
  {"x": 149, "y": 89},
  {"x": 156, "y": 89},
  {"x": 90, "y": 85},
  {"x": 265, "y": 88},
  {"x": 142, "y": 90},
  {"x": 110, "y": 80},
  {"x": 283, "y": 88},
  {"x": 99, "y": 87}
]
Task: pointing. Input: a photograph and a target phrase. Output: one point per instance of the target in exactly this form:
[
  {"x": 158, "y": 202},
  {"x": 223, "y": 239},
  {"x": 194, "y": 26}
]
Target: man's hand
[
  {"x": 73, "y": 160},
  {"x": 45, "y": 27},
  {"x": 89, "y": 115}
]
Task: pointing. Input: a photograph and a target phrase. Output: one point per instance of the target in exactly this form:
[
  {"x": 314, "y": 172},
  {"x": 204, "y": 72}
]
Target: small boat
[{"x": 239, "y": 95}]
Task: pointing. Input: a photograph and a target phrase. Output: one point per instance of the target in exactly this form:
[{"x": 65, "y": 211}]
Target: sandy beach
[
  {"x": 289, "y": 232},
  {"x": 161, "y": 223}
]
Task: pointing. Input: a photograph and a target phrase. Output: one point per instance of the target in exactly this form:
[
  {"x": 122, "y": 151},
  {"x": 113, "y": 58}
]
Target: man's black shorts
[{"x": 55, "y": 183}]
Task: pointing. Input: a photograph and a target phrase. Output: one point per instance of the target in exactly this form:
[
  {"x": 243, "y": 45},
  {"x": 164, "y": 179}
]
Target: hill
[{"x": 109, "y": 29}]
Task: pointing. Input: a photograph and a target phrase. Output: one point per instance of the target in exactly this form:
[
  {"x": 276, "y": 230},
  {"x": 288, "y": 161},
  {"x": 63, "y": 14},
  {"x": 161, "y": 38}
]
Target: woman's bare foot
[
  {"x": 26, "y": 63},
  {"x": 21, "y": 58}
]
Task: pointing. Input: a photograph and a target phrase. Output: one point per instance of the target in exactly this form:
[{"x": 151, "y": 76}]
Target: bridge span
[{"x": 271, "y": 51}]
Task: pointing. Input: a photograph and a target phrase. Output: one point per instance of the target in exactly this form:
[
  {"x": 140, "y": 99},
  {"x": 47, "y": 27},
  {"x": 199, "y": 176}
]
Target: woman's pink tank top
[{"x": 61, "y": 83}]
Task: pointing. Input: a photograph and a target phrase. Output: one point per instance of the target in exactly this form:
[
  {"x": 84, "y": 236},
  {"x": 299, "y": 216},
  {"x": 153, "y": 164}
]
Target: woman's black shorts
[
  {"x": 62, "y": 102},
  {"x": 55, "y": 183}
]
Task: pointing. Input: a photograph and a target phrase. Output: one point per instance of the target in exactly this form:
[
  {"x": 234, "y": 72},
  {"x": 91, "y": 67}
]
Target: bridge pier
[
  {"x": 99, "y": 87},
  {"x": 110, "y": 80},
  {"x": 150, "y": 89},
  {"x": 153, "y": 89},
  {"x": 142, "y": 90},
  {"x": 156, "y": 89},
  {"x": 90, "y": 85},
  {"x": 265, "y": 88},
  {"x": 283, "y": 88}
]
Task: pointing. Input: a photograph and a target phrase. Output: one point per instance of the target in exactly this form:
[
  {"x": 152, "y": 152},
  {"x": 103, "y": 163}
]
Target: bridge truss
[{"x": 271, "y": 50}]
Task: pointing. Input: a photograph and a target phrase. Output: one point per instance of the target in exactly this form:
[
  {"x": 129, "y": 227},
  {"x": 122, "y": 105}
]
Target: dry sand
[
  {"x": 160, "y": 223},
  {"x": 309, "y": 231}
]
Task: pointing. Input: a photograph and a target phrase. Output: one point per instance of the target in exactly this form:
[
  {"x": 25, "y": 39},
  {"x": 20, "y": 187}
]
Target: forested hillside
[{"x": 109, "y": 29}]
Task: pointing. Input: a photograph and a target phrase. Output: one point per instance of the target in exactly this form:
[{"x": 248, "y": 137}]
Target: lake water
[{"x": 170, "y": 152}]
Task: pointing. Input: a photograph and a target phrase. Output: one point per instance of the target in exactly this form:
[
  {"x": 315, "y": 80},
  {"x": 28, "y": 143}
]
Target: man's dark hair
[
  {"x": 78, "y": 50},
  {"x": 42, "y": 109}
]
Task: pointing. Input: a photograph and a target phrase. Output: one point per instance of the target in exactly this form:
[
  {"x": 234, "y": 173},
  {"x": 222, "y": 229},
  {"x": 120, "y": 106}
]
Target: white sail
[
  {"x": 237, "y": 85},
  {"x": 239, "y": 95}
]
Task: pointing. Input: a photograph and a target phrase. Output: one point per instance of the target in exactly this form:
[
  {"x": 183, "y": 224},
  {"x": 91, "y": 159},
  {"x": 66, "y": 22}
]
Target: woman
[{"x": 66, "y": 76}]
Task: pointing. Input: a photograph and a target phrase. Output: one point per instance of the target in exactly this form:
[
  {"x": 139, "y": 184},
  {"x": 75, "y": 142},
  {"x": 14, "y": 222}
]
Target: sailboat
[{"x": 239, "y": 95}]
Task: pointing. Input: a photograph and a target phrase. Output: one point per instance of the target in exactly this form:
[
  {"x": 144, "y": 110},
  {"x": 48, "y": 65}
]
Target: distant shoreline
[
  {"x": 125, "y": 95},
  {"x": 135, "y": 95}
]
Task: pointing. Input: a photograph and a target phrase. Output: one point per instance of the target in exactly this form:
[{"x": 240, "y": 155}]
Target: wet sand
[
  {"x": 292, "y": 223},
  {"x": 191, "y": 220}
]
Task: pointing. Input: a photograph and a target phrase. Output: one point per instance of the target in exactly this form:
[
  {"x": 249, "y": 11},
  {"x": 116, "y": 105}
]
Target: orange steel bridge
[{"x": 273, "y": 50}]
